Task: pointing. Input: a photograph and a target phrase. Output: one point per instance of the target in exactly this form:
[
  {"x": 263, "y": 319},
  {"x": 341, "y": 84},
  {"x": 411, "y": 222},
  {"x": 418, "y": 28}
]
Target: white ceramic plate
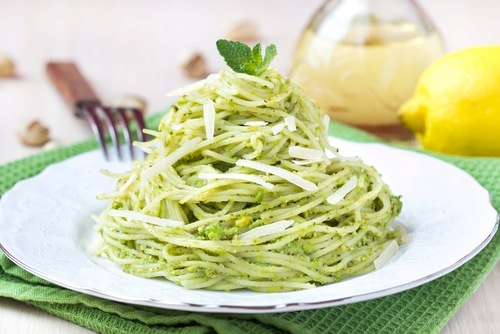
[{"x": 46, "y": 229}]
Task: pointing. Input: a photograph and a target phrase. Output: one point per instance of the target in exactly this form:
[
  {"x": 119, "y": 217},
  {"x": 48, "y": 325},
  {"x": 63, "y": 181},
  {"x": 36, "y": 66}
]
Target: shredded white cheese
[
  {"x": 405, "y": 235},
  {"x": 305, "y": 153},
  {"x": 209, "y": 119},
  {"x": 96, "y": 246},
  {"x": 134, "y": 215},
  {"x": 283, "y": 173},
  {"x": 237, "y": 176},
  {"x": 335, "y": 155},
  {"x": 194, "y": 86},
  {"x": 278, "y": 128},
  {"x": 342, "y": 192},
  {"x": 307, "y": 162},
  {"x": 170, "y": 159},
  {"x": 264, "y": 230},
  {"x": 386, "y": 254},
  {"x": 290, "y": 123},
  {"x": 326, "y": 124},
  {"x": 255, "y": 123}
]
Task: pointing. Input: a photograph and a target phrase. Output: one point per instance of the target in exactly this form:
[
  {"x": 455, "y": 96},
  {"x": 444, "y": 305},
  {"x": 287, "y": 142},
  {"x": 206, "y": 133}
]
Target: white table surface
[{"x": 132, "y": 47}]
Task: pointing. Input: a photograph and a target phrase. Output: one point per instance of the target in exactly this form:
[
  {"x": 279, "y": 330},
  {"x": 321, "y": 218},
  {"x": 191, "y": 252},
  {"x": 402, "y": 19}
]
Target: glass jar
[{"x": 361, "y": 59}]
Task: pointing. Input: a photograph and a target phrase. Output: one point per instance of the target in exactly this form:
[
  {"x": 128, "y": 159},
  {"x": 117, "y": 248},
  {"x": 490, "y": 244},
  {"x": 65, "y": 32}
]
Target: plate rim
[
  {"x": 237, "y": 309},
  {"x": 274, "y": 308}
]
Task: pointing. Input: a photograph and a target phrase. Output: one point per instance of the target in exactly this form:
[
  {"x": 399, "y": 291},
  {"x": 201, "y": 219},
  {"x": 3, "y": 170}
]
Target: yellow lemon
[{"x": 456, "y": 105}]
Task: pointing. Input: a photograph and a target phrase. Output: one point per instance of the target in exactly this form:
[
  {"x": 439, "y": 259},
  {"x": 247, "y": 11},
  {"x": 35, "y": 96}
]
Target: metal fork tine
[
  {"x": 140, "y": 123},
  {"x": 97, "y": 116},
  {"x": 128, "y": 133},
  {"x": 96, "y": 126},
  {"x": 115, "y": 138}
]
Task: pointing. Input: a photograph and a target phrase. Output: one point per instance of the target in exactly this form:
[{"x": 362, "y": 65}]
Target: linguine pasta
[{"x": 241, "y": 189}]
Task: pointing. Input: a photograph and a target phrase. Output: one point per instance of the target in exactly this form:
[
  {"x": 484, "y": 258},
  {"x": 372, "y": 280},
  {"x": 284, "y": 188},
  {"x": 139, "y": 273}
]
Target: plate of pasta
[
  {"x": 47, "y": 230},
  {"x": 245, "y": 204}
]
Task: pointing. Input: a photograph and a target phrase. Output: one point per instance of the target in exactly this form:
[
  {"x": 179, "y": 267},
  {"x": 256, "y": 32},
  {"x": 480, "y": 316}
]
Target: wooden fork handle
[{"x": 72, "y": 85}]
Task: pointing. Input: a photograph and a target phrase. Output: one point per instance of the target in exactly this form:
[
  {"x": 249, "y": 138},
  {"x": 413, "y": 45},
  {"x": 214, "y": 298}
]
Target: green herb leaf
[
  {"x": 243, "y": 59},
  {"x": 271, "y": 52},
  {"x": 256, "y": 54}
]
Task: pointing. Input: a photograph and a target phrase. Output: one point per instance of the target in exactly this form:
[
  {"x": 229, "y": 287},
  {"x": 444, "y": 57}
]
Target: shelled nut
[
  {"x": 34, "y": 134},
  {"x": 193, "y": 64},
  {"x": 7, "y": 67}
]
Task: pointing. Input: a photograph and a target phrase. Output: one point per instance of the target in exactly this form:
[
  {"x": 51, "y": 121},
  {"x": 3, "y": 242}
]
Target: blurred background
[{"x": 143, "y": 48}]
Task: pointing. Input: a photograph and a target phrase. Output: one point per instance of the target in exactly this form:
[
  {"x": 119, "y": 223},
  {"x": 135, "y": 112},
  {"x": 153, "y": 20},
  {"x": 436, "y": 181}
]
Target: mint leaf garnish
[
  {"x": 243, "y": 59},
  {"x": 270, "y": 53}
]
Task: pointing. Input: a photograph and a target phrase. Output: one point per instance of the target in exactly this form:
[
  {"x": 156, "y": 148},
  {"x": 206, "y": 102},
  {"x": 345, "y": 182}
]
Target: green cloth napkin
[{"x": 425, "y": 309}]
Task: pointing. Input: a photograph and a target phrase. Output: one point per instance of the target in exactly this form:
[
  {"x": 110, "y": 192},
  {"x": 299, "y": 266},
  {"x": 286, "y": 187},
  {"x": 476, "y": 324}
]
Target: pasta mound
[{"x": 241, "y": 189}]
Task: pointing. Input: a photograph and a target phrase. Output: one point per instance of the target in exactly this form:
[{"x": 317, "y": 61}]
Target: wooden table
[{"x": 132, "y": 46}]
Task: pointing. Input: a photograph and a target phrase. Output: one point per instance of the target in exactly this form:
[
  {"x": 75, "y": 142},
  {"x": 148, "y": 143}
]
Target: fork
[
  {"x": 103, "y": 120},
  {"x": 108, "y": 120}
]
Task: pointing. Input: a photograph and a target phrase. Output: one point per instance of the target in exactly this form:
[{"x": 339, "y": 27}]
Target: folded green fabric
[{"x": 424, "y": 309}]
